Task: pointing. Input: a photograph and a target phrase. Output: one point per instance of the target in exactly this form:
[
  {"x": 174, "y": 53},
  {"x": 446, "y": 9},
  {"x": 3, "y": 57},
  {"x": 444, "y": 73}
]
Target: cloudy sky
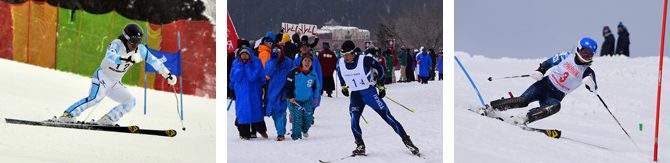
[{"x": 538, "y": 29}]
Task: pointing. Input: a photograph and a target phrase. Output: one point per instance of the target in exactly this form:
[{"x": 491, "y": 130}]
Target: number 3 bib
[{"x": 567, "y": 75}]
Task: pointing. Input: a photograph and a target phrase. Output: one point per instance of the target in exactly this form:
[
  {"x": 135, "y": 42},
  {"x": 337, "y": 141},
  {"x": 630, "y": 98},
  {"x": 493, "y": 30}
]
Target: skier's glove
[
  {"x": 382, "y": 91},
  {"x": 171, "y": 79},
  {"x": 135, "y": 57},
  {"x": 590, "y": 84},
  {"x": 345, "y": 91},
  {"x": 537, "y": 75}
]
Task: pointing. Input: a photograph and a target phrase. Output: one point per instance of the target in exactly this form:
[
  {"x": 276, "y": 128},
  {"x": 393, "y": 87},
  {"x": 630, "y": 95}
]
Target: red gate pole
[{"x": 660, "y": 78}]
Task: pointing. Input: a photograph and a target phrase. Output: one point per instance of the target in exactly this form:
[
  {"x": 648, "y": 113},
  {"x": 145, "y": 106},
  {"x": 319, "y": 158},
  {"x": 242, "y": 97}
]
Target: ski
[
  {"x": 343, "y": 158},
  {"x": 88, "y": 126},
  {"x": 552, "y": 133}
]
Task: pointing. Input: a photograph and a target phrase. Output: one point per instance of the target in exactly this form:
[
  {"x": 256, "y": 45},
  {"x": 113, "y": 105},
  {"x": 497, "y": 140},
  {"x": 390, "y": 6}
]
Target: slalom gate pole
[
  {"x": 617, "y": 121},
  {"x": 408, "y": 109},
  {"x": 471, "y": 82},
  {"x": 174, "y": 91},
  {"x": 660, "y": 78},
  {"x": 508, "y": 77}
]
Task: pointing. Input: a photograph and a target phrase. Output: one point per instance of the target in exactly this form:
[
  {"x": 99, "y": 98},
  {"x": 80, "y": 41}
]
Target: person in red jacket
[{"x": 328, "y": 62}]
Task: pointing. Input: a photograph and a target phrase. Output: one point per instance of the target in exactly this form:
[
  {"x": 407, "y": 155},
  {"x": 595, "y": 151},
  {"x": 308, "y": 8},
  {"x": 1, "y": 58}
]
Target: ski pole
[
  {"x": 96, "y": 105},
  {"x": 617, "y": 121},
  {"x": 180, "y": 118},
  {"x": 229, "y": 104},
  {"x": 410, "y": 110},
  {"x": 366, "y": 121},
  {"x": 508, "y": 77}
]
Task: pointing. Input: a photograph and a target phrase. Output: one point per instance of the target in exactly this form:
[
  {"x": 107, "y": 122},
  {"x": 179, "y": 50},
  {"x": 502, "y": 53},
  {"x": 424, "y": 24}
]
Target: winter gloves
[
  {"x": 590, "y": 84},
  {"x": 382, "y": 91},
  {"x": 345, "y": 91},
  {"x": 135, "y": 57},
  {"x": 171, "y": 79},
  {"x": 537, "y": 75}
]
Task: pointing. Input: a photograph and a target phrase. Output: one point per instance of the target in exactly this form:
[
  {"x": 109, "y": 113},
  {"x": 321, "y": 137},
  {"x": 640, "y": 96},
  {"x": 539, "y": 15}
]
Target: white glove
[
  {"x": 590, "y": 84},
  {"x": 135, "y": 57},
  {"x": 171, "y": 80},
  {"x": 537, "y": 75}
]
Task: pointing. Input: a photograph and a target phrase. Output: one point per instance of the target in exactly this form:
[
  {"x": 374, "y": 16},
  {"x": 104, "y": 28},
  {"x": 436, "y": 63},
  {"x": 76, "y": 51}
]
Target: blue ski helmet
[{"x": 588, "y": 44}]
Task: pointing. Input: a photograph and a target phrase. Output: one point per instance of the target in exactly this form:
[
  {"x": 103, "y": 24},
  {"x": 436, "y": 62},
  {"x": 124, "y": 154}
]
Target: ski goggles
[
  {"x": 585, "y": 54},
  {"x": 347, "y": 53},
  {"x": 135, "y": 39}
]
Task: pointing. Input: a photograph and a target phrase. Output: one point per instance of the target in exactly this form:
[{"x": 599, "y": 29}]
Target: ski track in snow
[
  {"x": 35, "y": 93},
  {"x": 627, "y": 85},
  {"x": 331, "y": 138}
]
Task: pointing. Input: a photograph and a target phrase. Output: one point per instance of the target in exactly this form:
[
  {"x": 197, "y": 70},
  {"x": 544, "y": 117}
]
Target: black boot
[
  {"x": 360, "y": 148},
  {"x": 542, "y": 112},
  {"x": 410, "y": 145},
  {"x": 509, "y": 103}
]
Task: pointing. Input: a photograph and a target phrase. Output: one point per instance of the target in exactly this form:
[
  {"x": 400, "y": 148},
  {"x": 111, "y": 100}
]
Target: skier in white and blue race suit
[
  {"x": 121, "y": 54},
  {"x": 354, "y": 72},
  {"x": 564, "y": 72}
]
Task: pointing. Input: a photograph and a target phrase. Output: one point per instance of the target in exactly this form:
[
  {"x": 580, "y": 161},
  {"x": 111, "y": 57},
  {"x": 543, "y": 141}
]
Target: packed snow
[
  {"x": 331, "y": 138},
  {"x": 627, "y": 85},
  {"x": 35, "y": 93}
]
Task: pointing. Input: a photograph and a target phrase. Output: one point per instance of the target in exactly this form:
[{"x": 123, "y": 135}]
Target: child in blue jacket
[{"x": 301, "y": 86}]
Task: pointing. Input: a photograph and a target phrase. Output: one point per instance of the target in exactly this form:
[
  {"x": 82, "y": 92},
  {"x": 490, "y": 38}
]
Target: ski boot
[
  {"x": 360, "y": 148},
  {"x": 520, "y": 119},
  {"x": 408, "y": 143},
  {"x": 508, "y": 103},
  {"x": 66, "y": 118},
  {"x": 305, "y": 135},
  {"x": 103, "y": 121}
]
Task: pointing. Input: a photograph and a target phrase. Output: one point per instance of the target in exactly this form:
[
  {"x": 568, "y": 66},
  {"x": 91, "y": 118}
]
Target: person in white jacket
[{"x": 121, "y": 54}]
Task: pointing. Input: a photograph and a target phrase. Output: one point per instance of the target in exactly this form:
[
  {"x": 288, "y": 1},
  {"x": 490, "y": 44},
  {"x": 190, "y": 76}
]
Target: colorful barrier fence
[{"x": 75, "y": 41}]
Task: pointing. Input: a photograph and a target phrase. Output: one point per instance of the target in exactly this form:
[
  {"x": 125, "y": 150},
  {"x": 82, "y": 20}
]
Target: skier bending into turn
[
  {"x": 355, "y": 71},
  {"x": 566, "y": 72},
  {"x": 122, "y": 53}
]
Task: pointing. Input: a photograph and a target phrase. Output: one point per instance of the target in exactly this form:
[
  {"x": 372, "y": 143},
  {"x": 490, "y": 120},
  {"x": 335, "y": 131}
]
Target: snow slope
[
  {"x": 35, "y": 93},
  {"x": 627, "y": 85},
  {"x": 331, "y": 137}
]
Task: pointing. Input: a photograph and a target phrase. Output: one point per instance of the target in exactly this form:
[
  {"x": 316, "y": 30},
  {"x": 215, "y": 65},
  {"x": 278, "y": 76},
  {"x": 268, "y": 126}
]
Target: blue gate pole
[
  {"x": 181, "y": 80},
  {"x": 471, "y": 82},
  {"x": 145, "y": 77}
]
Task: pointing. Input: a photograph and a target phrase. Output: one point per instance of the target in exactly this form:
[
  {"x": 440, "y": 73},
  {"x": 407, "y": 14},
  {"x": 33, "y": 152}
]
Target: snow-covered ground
[
  {"x": 35, "y": 93},
  {"x": 627, "y": 85},
  {"x": 331, "y": 137}
]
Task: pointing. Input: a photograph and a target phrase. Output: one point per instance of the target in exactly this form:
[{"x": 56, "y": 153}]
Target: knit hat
[
  {"x": 347, "y": 47},
  {"x": 285, "y": 38},
  {"x": 304, "y": 41}
]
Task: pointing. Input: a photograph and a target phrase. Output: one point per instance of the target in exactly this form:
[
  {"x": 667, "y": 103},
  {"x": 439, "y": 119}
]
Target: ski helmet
[
  {"x": 133, "y": 33},
  {"x": 586, "y": 49}
]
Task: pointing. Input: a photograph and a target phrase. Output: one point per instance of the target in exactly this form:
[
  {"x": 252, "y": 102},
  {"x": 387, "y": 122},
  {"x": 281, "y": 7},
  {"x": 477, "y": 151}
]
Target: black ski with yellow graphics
[
  {"x": 552, "y": 133},
  {"x": 88, "y": 126}
]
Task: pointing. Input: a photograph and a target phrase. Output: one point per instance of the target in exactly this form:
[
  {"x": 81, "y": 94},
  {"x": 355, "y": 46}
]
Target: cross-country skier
[
  {"x": 121, "y": 54},
  {"x": 354, "y": 73},
  {"x": 564, "y": 72}
]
